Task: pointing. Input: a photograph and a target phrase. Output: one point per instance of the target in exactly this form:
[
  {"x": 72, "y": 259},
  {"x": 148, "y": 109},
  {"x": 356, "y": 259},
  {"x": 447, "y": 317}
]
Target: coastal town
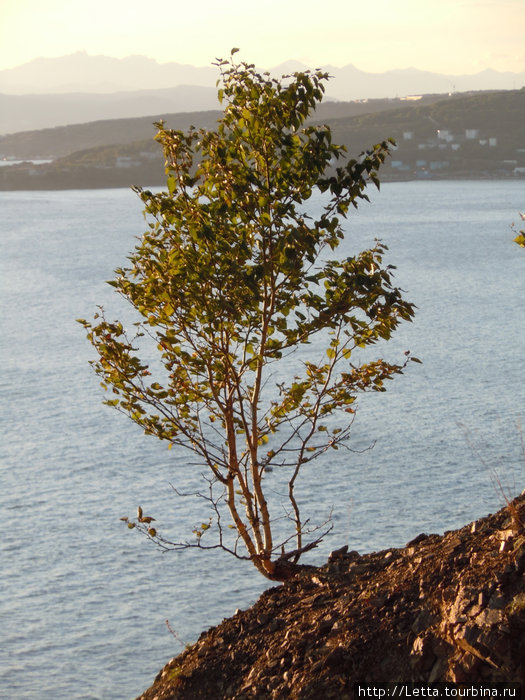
[{"x": 446, "y": 153}]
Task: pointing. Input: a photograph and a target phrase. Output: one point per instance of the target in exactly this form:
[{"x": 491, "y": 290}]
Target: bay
[{"x": 84, "y": 602}]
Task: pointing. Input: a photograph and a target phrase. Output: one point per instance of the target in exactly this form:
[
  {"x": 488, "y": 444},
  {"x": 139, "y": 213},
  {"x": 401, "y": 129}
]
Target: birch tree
[{"x": 235, "y": 277}]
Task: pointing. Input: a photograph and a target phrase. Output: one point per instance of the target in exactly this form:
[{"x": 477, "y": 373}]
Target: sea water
[{"x": 84, "y": 601}]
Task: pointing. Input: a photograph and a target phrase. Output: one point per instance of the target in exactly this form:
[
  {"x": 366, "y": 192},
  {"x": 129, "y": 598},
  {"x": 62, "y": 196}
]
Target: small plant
[
  {"x": 176, "y": 677},
  {"x": 516, "y": 520},
  {"x": 176, "y": 636},
  {"x": 175, "y": 673}
]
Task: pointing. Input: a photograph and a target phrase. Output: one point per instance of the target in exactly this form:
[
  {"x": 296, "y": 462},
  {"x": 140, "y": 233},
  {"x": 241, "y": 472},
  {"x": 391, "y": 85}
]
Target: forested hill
[
  {"x": 466, "y": 136},
  {"x": 461, "y": 135},
  {"x": 501, "y": 114},
  {"x": 62, "y": 140}
]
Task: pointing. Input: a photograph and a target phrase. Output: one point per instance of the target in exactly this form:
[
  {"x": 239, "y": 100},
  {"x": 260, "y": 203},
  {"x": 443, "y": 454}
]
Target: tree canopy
[{"x": 233, "y": 282}]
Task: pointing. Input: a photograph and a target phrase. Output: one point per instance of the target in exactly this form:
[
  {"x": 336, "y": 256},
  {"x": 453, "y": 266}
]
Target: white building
[{"x": 445, "y": 135}]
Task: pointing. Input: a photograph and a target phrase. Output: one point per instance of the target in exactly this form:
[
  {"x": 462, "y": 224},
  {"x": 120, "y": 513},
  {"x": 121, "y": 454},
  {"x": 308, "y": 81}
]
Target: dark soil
[{"x": 443, "y": 608}]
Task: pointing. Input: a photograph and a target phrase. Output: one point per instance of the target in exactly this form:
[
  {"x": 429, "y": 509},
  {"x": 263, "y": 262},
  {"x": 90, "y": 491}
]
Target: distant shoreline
[
  {"x": 476, "y": 136},
  {"x": 109, "y": 182}
]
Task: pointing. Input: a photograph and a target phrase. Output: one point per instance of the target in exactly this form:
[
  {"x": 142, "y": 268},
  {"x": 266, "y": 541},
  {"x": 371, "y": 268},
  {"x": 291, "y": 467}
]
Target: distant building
[
  {"x": 399, "y": 165},
  {"x": 127, "y": 162},
  {"x": 149, "y": 155},
  {"x": 439, "y": 164},
  {"x": 472, "y": 133},
  {"x": 445, "y": 135}
]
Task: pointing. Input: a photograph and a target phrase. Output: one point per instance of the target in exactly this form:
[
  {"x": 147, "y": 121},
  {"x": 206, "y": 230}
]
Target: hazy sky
[{"x": 446, "y": 36}]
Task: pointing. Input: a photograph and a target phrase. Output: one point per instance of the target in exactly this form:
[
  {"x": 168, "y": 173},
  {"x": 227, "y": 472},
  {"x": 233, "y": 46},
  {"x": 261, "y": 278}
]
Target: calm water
[{"x": 84, "y": 602}]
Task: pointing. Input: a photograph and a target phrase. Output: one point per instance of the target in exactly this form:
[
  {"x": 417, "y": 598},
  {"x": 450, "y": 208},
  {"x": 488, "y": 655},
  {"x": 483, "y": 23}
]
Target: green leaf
[{"x": 172, "y": 184}]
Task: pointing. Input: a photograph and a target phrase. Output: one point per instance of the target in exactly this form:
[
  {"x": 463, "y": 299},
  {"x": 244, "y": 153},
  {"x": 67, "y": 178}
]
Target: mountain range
[{"x": 77, "y": 88}]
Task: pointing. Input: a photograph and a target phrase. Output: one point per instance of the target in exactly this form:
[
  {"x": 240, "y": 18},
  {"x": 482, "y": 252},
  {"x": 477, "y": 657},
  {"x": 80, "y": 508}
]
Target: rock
[
  {"x": 422, "y": 657},
  {"x": 422, "y": 621},
  {"x": 338, "y": 553},
  {"x": 519, "y": 559},
  {"x": 417, "y": 540},
  {"x": 448, "y": 608},
  {"x": 438, "y": 671},
  {"x": 275, "y": 624},
  {"x": 489, "y": 617},
  {"x": 497, "y": 601}
]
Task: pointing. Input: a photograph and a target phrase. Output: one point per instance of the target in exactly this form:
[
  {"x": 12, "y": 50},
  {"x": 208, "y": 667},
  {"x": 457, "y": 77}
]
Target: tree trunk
[{"x": 285, "y": 570}]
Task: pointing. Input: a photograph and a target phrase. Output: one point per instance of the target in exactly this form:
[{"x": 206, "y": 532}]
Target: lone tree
[{"x": 231, "y": 282}]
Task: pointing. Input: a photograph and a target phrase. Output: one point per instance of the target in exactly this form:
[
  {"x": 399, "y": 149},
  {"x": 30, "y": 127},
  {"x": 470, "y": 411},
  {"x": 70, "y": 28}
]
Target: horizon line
[{"x": 325, "y": 66}]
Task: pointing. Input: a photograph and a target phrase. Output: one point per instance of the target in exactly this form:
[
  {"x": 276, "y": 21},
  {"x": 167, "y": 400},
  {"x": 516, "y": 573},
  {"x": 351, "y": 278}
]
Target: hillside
[
  {"x": 499, "y": 113},
  {"x": 472, "y": 135},
  {"x": 447, "y": 608},
  {"x": 62, "y": 140},
  {"x": 476, "y": 135},
  {"x": 36, "y": 112}
]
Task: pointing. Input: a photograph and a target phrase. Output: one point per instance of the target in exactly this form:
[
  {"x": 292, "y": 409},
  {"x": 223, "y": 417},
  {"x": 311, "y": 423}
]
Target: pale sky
[{"x": 444, "y": 36}]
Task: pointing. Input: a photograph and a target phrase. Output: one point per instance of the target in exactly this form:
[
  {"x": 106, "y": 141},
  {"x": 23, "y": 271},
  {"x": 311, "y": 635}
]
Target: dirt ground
[{"x": 443, "y": 608}]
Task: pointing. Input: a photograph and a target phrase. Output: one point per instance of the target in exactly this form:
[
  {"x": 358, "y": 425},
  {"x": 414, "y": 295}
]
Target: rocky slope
[{"x": 443, "y": 608}]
